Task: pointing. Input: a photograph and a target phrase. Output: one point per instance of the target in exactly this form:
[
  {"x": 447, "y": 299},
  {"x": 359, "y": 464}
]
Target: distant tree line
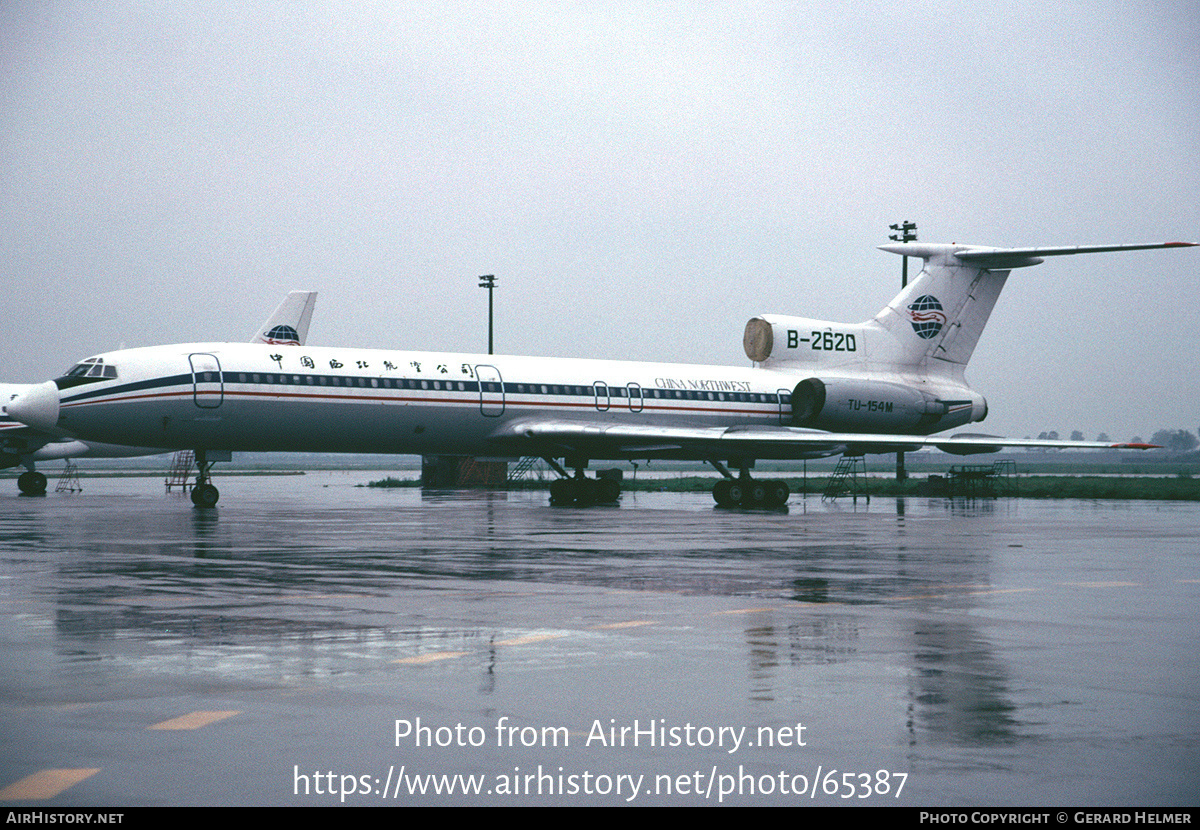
[{"x": 1175, "y": 440}]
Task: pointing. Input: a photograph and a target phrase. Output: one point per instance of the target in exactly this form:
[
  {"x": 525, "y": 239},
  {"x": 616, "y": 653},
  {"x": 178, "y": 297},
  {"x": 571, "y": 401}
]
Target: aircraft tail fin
[
  {"x": 937, "y": 320},
  {"x": 288, "y": 324}
]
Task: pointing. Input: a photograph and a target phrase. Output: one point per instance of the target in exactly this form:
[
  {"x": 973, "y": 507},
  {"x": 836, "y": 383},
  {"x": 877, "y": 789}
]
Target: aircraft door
[
  {"x": 602, "y": 398},
  {"x": 491, "y": 391},
  {"x": 635, "y": 397},
  {"x": 208, "y": 387},
  {"x": 785, "y": 405}
]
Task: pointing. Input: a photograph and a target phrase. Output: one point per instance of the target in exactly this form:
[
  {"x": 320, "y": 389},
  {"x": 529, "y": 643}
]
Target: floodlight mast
[
  {"x": 488, "y": 281},
  {"x": 907, "y": 233}
]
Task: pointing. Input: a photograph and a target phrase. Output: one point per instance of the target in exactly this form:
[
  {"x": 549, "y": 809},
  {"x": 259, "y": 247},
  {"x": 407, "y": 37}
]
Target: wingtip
[{"x": 1131, "y": 446}]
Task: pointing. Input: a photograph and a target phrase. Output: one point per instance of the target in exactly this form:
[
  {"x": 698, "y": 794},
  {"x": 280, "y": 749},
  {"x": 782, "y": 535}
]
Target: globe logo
[
  {"x": 284, "y": 336},
  {"x": 926, "y": 316}
]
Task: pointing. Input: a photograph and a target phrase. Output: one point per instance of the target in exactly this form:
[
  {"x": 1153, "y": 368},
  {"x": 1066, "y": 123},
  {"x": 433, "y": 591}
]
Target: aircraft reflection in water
[
  {"x": 816, "y": 389},
  {"x": 25, "y": 446}
]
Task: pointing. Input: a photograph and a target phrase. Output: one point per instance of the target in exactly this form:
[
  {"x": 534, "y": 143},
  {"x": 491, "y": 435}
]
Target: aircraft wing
[{"x": 596, "y": 439}]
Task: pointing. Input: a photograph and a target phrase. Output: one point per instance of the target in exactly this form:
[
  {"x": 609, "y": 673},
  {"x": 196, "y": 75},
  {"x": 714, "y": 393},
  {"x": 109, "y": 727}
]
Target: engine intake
[{"x": 758, "y": 339}]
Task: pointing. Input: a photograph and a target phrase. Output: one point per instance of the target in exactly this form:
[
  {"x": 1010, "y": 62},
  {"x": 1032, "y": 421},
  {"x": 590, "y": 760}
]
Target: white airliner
[
  {"x": 24, "y": 445},
  {"x": 816, "y": 389}
]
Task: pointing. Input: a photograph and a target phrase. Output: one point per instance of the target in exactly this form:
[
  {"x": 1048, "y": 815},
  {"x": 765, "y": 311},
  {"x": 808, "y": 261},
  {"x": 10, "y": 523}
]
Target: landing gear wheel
[
  {"x": 755, "y": 495},
  {"x": 769, "y": 493},
  {"x": 777, "y": 493},
  {"x": 205, "y": 495},
  {"x": 608, "y": 491},
  {"x": 32, "y": 483},
  {"x": 561, "y": 492},
  {"x": 586, "y": 491},
  {"x": 722, "y": 495},
  {"x": 736, "y": 492}
]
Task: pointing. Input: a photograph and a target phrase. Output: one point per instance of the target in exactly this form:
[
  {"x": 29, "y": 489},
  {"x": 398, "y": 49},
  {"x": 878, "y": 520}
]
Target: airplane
[
  {"x": 24, "y": 445},
  {"x": 814, "y": 389}
]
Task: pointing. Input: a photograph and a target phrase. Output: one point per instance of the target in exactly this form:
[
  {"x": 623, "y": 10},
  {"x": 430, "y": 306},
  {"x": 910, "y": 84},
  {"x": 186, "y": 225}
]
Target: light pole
[
  {"x": 488, "y": 281},
  {"x": 907, "y": 232}
]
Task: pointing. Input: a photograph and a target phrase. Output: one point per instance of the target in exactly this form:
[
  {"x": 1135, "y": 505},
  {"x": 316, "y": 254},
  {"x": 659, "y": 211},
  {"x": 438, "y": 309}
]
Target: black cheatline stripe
[
  {"x": 136, "y": 386},
  {"x": 650, "y": 396}
]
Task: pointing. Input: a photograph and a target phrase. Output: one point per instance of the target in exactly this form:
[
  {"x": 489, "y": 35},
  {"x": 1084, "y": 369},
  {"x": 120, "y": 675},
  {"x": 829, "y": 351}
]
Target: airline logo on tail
[
  {"x": 284, "y": 336},
  {"x": 925, "y": 314}
]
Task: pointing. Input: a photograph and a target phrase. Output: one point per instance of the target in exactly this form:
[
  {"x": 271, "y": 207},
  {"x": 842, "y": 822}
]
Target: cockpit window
[
  {"x": 87, "y": 371},
  {"x": 93, "y": 367}
]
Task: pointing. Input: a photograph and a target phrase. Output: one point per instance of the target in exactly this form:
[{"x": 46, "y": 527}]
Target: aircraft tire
[
  {"x": 755, "y": 495},
  {"x": 561, "y": 492},
  {"x": 608, "y": 491},
  {"x": 205, "y": 495},
  {"x": 777, "y": 493},
  {"x": 31, "y": 483},
  {"x": 721, "y": 494},
  {"x": 587, "y": 491},
  {"x": 736, "y": 492}
]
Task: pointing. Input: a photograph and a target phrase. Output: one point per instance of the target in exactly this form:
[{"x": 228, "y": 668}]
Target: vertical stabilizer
[
  {"x": 288, "y": 324},
  {"x": 938, "y": 318}
]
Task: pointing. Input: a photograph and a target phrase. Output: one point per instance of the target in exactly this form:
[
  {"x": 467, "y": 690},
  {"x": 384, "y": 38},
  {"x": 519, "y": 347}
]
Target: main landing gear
[
  {"x": 579, "y": 490},
  {"x": 31, "y": 483},
  {"x": 744, "y": 491},
  {"x": 741, "y": 491},
  {"x": 204, "y": 494},
  {"x": 582, "y": 491},
  {"x": 750, "y": 492}
]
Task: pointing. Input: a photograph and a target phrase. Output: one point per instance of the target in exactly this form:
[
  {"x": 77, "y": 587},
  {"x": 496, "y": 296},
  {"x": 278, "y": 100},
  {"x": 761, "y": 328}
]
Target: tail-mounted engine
[{"x": 848, "y": 405}]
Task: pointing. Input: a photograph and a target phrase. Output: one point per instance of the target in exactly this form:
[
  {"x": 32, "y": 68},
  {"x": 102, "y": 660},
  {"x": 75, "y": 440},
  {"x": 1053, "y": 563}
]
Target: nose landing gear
[{"x": 204, "y": 494}]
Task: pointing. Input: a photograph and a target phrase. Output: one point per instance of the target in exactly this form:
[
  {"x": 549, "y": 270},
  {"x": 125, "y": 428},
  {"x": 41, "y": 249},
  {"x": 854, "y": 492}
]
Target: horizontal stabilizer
[{"x": 1007, "y": 258}]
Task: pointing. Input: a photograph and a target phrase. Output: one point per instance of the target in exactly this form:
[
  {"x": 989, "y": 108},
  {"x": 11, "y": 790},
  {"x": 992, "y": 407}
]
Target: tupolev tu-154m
[{"x": 814, "y": 389}]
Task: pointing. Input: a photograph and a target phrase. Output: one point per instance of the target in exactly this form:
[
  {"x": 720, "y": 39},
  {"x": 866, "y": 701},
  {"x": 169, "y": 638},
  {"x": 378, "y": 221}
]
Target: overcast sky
[{"x": 642, "y": 177}]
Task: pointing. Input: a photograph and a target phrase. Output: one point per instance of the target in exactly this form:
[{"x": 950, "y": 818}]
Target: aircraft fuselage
[{"x": 243, "y": 397}]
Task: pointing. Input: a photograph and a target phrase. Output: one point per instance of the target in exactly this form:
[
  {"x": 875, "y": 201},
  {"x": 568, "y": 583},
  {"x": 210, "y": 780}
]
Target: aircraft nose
[{"x": 36, "y": 407}]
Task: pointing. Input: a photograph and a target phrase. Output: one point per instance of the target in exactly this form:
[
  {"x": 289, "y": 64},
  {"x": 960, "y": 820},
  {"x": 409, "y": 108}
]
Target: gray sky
[{"x": 641, "y": 177}]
